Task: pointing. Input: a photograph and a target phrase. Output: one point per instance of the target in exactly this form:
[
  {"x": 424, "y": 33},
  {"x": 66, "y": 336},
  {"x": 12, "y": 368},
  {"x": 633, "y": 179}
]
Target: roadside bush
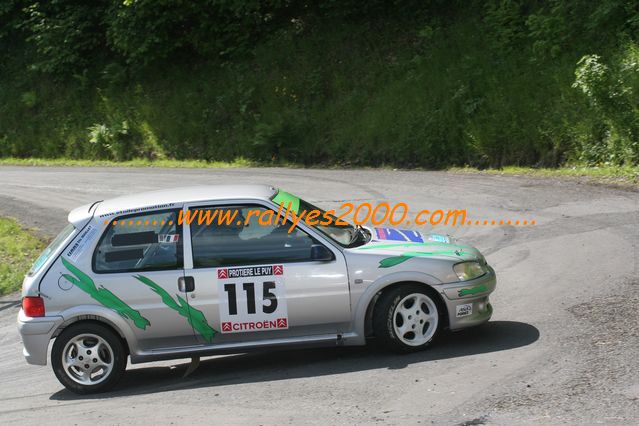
[
  {"x": 113, "y": 142},
  {"x": 68, "y": 35},
  {"x": 120, "y": 142},
  {"x": 612, "y": 93}
]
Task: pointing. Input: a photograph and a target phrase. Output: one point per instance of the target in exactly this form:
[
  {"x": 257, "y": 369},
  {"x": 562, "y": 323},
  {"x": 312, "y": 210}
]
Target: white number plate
[{"x": 252, "y": 299}]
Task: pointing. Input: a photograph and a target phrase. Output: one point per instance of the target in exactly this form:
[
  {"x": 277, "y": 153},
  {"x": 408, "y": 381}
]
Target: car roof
[{"x": 177, "y": 196}]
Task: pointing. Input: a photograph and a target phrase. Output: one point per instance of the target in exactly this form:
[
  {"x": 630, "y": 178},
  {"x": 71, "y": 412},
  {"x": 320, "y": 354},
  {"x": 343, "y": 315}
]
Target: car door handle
[{"x": 186, "y": 284}]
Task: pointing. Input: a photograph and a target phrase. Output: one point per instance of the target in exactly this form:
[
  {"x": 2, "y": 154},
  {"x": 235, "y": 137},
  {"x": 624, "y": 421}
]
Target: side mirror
[{"x": 321, "y": 253}]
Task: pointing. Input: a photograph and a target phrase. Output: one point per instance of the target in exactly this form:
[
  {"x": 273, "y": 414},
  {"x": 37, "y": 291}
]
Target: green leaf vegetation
[
  {"x": 430, "y": 84},
  {"x": 18, "y": 250}
]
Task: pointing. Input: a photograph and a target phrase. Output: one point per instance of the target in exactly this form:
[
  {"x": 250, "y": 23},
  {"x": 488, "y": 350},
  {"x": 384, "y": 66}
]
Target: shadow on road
[
  {"x": 6, "y": 304},
  {"x": 281, "y": 365}
]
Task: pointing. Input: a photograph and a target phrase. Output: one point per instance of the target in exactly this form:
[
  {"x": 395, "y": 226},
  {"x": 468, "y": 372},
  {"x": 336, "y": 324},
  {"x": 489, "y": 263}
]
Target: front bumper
[
  {"x": 467, "y": 302},
  {"x": 36, "y": 334}
]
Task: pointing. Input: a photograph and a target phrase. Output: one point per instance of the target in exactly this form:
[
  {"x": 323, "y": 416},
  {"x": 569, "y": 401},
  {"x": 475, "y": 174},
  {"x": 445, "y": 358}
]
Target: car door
[
  {"x": 139, "y": 260},
  {"x": 254, "y": 280}
]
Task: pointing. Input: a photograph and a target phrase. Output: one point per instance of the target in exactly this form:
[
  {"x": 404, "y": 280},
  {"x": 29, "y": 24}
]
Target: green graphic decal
[
  {"x": 473, "y": 290},
  {"x": 411, "y": 245},
  {"x": 194, "y": 316},
  {"x": 287, "y": 199},
  {"x": 102, "y": 295},
  {"x": 392, "y": 261},
  {"x": 396, "y": 260}
]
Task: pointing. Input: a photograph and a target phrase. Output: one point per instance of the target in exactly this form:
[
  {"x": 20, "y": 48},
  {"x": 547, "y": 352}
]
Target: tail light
[{"x": 33, "y": 306}]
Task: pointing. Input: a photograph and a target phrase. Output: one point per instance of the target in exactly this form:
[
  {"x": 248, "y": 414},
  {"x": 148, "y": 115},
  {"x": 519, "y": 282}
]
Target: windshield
[
  {"x": 343, "y": 234},
  {"x": 55, "y": 244}
]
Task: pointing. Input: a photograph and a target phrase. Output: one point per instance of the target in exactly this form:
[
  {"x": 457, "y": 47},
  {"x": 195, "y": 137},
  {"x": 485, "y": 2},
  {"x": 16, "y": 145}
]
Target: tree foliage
[{"x": 428, "y": 83}]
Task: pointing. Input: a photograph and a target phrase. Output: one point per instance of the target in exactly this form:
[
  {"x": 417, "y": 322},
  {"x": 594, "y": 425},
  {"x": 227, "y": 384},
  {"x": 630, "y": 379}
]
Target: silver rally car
[{"x": 132, "y": 276}]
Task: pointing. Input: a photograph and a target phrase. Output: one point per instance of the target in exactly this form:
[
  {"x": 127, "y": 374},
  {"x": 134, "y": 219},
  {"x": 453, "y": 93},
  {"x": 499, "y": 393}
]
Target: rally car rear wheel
[
  {"x": 406, "y": 318},
  {"x": 88, "y": 358}
]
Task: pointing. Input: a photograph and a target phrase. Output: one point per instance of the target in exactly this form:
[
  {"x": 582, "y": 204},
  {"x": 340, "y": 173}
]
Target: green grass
[
  {"x": 187, "y": 164},
  {"x": 18, "y": 250},
  {"x": 604, "y": 174}
]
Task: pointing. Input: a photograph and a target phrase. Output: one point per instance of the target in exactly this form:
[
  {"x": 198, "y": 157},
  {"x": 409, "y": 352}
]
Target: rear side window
[
  {"x": 144, "y": 242},
  {"x": 55, "y": 244}
]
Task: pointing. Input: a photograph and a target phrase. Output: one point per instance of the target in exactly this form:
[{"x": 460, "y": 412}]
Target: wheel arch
[
  {"x": 102, "y": 316},
  {"x": 367, "y": 305},
  {"x": 84, "y": 319}
]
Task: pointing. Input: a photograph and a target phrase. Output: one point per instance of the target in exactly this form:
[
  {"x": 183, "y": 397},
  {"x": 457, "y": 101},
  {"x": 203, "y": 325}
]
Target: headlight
[{"x": 469, "y": 270}]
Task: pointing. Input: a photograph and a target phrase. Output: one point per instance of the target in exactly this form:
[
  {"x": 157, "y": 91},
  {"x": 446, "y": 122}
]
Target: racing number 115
[{"x": 249, "y": 289}]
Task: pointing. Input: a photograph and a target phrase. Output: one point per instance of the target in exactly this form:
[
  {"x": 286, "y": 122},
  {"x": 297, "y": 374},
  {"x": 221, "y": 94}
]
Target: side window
[
  {"x": 234, "y": 236},
  {"x": 142, "y": 242}
]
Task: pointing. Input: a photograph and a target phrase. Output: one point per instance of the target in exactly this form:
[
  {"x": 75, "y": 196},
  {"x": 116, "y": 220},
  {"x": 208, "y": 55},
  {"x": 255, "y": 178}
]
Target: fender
[
  {"x": 103, "y": 314},
  {"x": 359, "y": 313}
]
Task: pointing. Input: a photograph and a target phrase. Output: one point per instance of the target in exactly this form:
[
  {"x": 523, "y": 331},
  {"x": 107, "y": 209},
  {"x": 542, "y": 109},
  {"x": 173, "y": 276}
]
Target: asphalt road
[{"x": 562, "y": 346}]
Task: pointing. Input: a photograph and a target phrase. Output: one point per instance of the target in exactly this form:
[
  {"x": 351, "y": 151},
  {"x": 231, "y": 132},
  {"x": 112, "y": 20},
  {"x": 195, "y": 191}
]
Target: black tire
[
  {"x": 383, "y": 317},
  {"x": 117, "y": 355}
]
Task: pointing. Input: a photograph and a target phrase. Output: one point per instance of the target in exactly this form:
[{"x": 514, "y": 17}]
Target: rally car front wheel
[
  {"x": 88, "y": 358},
  {"x": 406, "y": 318}
]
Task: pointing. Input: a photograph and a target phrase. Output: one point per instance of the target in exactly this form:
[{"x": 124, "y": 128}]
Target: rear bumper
[
  {"x": 468, "y": 303},
  {"x": 36, "y": 334}
]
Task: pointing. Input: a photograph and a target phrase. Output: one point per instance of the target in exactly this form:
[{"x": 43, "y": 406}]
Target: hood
[{"x": 396, "y": 246}]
